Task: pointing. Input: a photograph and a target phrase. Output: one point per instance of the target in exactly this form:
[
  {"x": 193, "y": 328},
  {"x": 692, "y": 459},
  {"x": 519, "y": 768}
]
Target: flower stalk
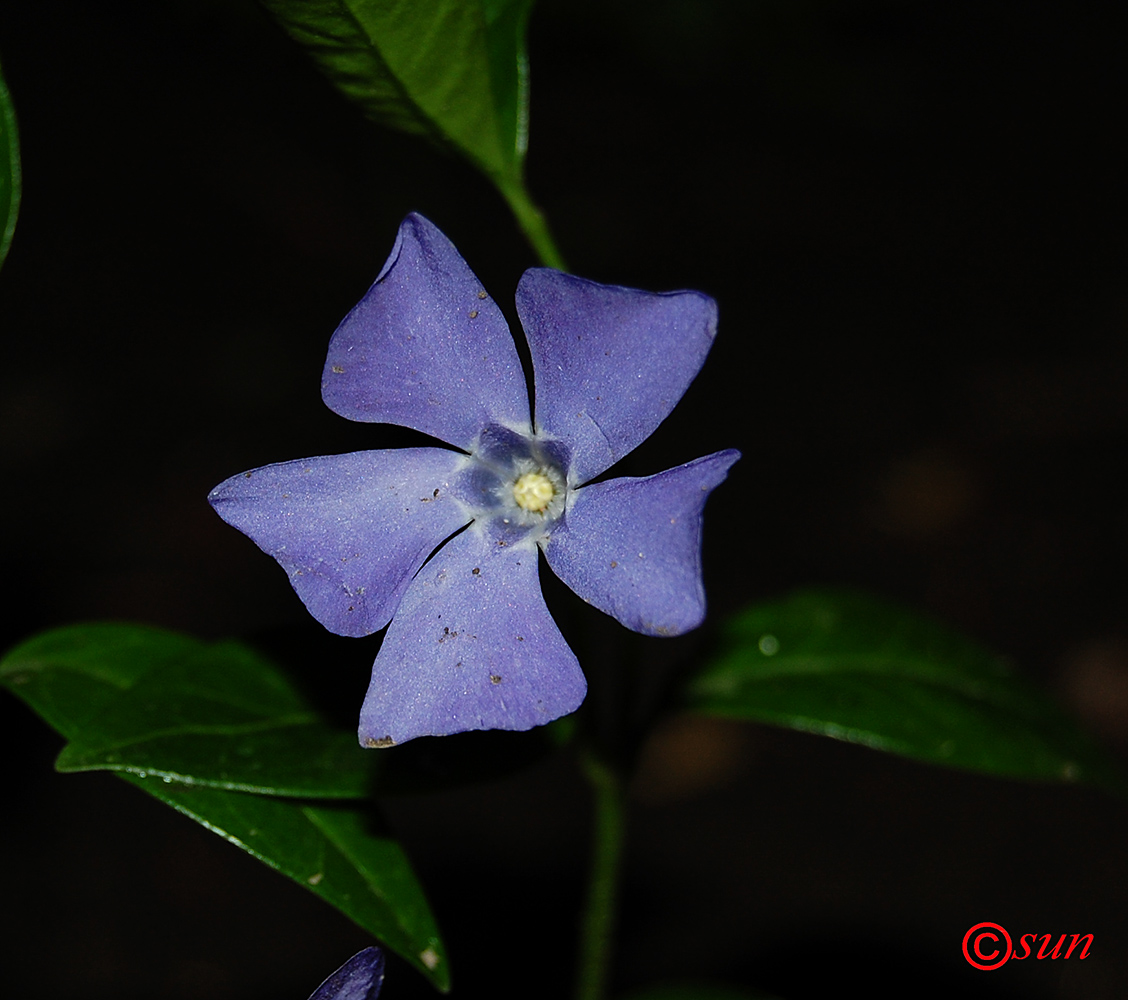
[
  {"x": 531, "y": 222},
  {"x": 600, "y": 912}
]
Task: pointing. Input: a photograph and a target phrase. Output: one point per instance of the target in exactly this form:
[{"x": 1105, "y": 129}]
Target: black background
[{"x": 912, "y": 215}]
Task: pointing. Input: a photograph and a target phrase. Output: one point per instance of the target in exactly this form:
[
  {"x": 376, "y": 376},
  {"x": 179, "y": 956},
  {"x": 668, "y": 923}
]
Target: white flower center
[
  {"x": 533, "y": 491},
  {"x": 515, "y": 480}
]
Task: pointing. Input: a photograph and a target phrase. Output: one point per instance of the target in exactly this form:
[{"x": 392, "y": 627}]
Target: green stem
[
  {"x": 598, "y": 923},
  {"x": 532, "y": 223}
]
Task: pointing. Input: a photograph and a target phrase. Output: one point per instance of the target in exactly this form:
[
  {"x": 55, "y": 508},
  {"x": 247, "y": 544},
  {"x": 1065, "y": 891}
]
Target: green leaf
[
  {"x": 137, "y": 699},
  {"x": 333, "y": 852},
  {"x": 70, "y": 674},
  {"x": 451, "y": 70},
  {"x": 9, "y": 170},
  {"x": 199, "y": 725},
  {"x": 856, "y": 668}
]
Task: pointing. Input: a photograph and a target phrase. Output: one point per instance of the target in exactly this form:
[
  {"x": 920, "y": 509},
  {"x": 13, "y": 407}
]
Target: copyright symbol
[{"x": 984, "y": 952}]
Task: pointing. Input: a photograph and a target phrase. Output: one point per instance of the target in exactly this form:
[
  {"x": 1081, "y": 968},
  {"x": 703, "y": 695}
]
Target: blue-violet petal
[
  {"x": 350, "y": 530},
  {"x": 609, "y": 363},
  {"x": 632, "y": 547},
  {"x": 359, "y": 978},
  {"x": 426, "y": 347},
  {"x": 472, "y": 647}
]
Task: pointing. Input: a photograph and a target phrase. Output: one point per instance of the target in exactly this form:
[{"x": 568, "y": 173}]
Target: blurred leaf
[
  {"x": 333, "y": 852},
  {"x": 451, "y": 70},
  {"x": 141, "y": 700},
  {"x": 9, "y": 170},
  {"x": 859, "y": 669}
]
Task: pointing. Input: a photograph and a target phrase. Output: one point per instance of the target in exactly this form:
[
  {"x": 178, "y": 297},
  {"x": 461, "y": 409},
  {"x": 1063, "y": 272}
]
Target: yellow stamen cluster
[{"x": 533, "y": 491}]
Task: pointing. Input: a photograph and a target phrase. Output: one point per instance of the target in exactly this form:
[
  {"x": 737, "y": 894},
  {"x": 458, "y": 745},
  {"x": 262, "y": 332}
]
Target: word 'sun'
[{"x": 988, "y": 946}]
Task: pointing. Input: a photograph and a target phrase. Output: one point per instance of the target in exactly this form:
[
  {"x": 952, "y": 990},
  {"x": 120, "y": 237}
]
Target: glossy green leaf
[
  {"x": 69, "y": 675},
  {"x": 9, "y": 170},
  {"x": 199, "y": 725},
  {"x": 451, "y": 70},
  {"x": 336, "y": 853},
  {"x": 136, "y": 699},
  {"x": 860, "y": 669},
  {"x": 454, "y": 71}
]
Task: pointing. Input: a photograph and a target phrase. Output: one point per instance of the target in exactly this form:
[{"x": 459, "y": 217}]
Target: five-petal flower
[{"x": 443, "y": 544}]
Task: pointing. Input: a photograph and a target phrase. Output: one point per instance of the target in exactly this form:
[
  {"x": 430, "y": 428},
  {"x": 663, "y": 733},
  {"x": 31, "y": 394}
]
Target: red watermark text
[{"x": 988, "y": 946}]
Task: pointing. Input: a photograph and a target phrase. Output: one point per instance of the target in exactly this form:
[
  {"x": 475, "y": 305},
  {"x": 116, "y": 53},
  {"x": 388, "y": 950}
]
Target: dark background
[{"x": 913, "y": 217}]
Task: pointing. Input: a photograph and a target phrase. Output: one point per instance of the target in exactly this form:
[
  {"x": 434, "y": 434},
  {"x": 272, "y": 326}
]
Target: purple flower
[
  {"x": 443, "y": 544},
  {"x": 359, "y": 978}
]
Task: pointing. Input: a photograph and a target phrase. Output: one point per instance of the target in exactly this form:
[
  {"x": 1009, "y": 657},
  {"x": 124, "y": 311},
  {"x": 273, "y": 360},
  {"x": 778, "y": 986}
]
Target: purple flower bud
[{"x": 359, "y": 978}]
